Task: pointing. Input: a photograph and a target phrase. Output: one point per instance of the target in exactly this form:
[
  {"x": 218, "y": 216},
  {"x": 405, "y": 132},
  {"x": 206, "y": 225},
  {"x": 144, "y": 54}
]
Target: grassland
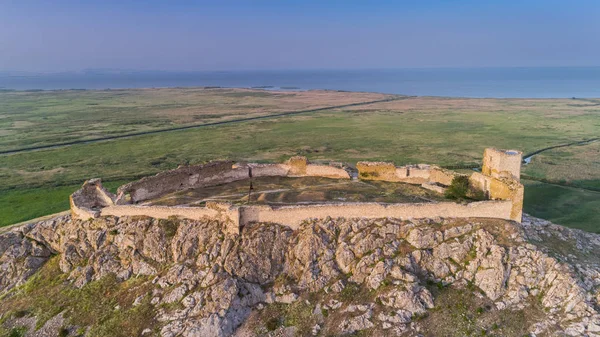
[
  {"x": 446, "y": 131},
  {"x": 40, "y": 118},
  {"x": 577, "y": 166}
]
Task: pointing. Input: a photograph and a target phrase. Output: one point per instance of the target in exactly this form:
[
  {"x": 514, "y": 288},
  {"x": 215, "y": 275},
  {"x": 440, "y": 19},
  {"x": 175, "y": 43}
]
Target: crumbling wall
[
  {"x": 368, "y": 170},
  {"x": 499, "y": 179},
  {"x": 300, "y": 168},
  {"x": 90, "y": 199},
  {"x": 326, "y": 171},
  {"x": 181, "y": 178},
  {"x": 503, "y": 188},
  {"x": 502, "y": 163},
  {"x": 297, "y": 166},
  {"x": 216, "y": 173},
  {"x": 235, "y": 217},
  {"x": 438, "y": 175},
  {"x": 411, "y": 174},
  {"x": 269, "y": 170}
]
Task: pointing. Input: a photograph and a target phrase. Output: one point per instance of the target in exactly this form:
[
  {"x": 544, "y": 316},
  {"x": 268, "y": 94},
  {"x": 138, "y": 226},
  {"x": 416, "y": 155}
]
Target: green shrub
[
  {"x": 458, "y": 188},
  {"x": 17, "y": 332},
  {"x": 63, "y": 332},
  {"x": 170, "y": 226},
  {"x": 350, "y": 291},
  {"x": 273, "y": 323}
]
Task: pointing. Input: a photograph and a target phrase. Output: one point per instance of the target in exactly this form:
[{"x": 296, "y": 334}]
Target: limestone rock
[{"x": 377, "y": 275}]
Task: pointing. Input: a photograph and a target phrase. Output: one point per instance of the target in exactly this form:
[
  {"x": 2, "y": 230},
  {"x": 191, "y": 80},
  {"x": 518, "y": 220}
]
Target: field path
[
  {"x": 528, "y": 156},
  {"x": 186, "y": 127}
]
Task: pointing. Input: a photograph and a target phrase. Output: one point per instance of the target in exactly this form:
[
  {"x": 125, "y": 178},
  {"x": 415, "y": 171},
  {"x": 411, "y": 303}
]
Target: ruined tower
[{"x": 502, "y": 163}]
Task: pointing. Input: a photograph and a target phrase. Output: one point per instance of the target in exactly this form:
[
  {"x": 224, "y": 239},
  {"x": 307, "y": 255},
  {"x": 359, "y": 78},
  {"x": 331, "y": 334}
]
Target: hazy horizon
[
  {"x": 107, "y": 70},
  {"x": 67, "y": 36}
]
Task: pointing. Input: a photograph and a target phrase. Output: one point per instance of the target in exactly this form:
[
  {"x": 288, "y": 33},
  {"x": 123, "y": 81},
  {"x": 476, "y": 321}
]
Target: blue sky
[{"x": 62, "y": 35}]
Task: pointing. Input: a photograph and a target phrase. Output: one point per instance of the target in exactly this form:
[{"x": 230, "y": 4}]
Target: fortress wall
[
  {"x": 297, "y": 165},
  {"x": 160, "y": 212},
  {"x": 441, "y": 176},
  {"x": 182, "y": 178},
  {"x": 502, "y": 163},
  {"x": 92, "y": 196},
  {"x": 226, "y": 176},
  {"x": 293, "y": 216},
  {"x": 368, "y": 170},
  {"x": 418, "y": 171},
  {"x": 216, "y": 173},
  {"x": 500, "y": 189},
  {"x": 269, "y": 170},
  {"x": 411, "y": 174},
  {"x": 326, "y": 171},
  {"x": 224, "y": 213},
  {"x": 308, "y": 170},
  {"x": 82, "y": 212}
]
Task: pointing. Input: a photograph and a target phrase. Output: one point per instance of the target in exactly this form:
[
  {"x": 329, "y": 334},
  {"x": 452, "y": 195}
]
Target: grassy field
[
  {"x": 577, "y": 166},
  {"x": 445, "y": 131},
  {"x": 563, "y": 205},
  {"x": 39, "y": 118},
  {"x": 23, "y": 204}
]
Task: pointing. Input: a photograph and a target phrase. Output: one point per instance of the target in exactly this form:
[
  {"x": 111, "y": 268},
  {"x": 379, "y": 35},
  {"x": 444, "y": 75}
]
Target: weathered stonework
[
  {"x": 499, "y": 179},
  {"x": 377, "y": 171},
  {"x": 410, "y": 174},
  {"x": 504, "y": 191},
  {"x": 179, "y": 179},
  {"x": 297, "y": 165},
  {"x": 88, "y": 201},
  {"x": 500, "y": 189},
  {"x": 502, "y": 163}
]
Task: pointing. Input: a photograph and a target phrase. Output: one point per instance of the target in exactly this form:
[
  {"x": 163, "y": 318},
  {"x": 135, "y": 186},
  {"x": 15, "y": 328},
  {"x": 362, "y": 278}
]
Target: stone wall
[
  {"x": 216, "y": 173},
  {"x": 326, "y": 171},
  {"x": 293, "y": 216},
  {"x": 368, "y": 170},
  {"x": 90, "y": 199},
  {"x": 181, "y": 178},
  {"x": 502, "y": 163},
  {"x": 269, "y": 170},
  {"x": 411, "y": 174},
  {"x": 505, "y": 188},
  {"x": 223, "y": 212},
  {"x": 236, "y": 217},
  {"x": 498, "y": 184}
]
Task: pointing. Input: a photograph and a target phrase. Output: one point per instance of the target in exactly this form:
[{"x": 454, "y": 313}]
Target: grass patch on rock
[{"x": 104, "y": 305}]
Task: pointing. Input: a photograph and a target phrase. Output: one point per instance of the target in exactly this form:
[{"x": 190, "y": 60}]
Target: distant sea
[{"x": 556, "y": 82}]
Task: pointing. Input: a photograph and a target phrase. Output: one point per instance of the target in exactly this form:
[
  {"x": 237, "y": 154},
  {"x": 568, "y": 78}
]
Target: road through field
[{"x": 186, "y": 127}]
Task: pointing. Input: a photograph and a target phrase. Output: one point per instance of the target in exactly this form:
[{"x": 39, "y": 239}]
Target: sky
[{"x": 62, "y": 35}]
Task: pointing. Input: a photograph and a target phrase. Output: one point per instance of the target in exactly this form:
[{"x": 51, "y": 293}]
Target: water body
[{"x": 558, "y": 82}]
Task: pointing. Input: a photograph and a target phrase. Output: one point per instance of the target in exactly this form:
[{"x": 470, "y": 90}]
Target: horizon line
[{"x": 84, "y": 70}]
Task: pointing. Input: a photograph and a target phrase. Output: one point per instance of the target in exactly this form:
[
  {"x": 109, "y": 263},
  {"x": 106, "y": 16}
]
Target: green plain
[{"x": 435, "y": 130}]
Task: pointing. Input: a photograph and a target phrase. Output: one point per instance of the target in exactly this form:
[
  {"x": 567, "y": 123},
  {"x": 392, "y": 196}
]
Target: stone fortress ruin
[{"x": 497, "y": 186}]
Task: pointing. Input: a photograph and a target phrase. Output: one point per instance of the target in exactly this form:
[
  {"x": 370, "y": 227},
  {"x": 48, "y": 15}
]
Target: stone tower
[{"x": 502, "y": 163}]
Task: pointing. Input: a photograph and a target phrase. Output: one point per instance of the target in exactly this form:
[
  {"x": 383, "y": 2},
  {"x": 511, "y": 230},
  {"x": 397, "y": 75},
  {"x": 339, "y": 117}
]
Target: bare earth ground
[{"x": 437, "y": 130}]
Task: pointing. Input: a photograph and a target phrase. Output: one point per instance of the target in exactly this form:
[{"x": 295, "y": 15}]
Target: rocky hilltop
[{"x": 134, "y": 276}]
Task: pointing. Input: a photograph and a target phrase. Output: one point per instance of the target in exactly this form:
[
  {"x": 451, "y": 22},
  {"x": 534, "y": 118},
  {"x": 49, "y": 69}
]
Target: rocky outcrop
[{"x": 328, "y": 277}]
